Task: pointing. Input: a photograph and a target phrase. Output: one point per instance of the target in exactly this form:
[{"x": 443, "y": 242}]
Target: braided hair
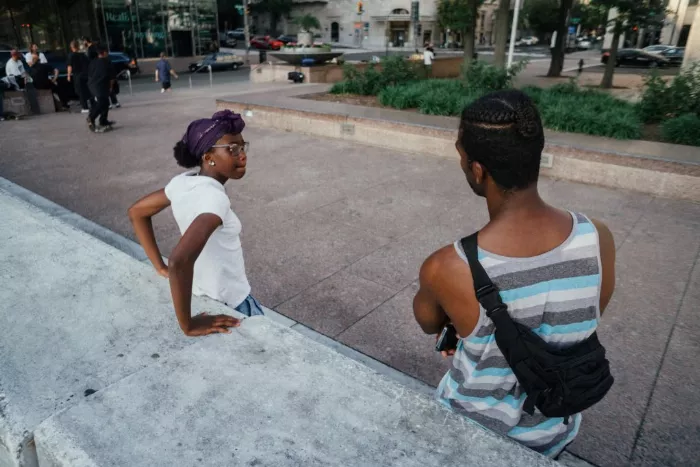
[{"x": 503, "y": 132}]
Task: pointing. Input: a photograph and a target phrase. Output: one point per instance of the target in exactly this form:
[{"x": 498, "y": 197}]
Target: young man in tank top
[{"x": 555, "y": 270}]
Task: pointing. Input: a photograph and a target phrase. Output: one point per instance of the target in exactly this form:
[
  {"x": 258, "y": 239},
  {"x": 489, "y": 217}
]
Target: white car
[
  {"x": 584, "y": 44},
  {"x": 529, "y": 40},
  {"x": 657, "y": 49}
]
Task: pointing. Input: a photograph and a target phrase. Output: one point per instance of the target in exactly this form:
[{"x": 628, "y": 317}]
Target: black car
[
  {"x": 636, "y": 57},
  {"x": 287, "y": 39},
  {"x": 218, "y": 61},
  {"x": 121, "y": 61},
  {"x": 674, "y": 55}
]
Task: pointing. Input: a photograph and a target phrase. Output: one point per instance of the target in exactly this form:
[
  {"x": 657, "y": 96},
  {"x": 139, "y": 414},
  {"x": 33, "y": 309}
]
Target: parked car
[
  {"x": 529, "y": 40},
  {"x": 266, "y": 43},
  {"x": 674, "y": 55},
  {"x": 218, "y": 61},
  {"x": 287, "y": 39},
  {"x": 657, "y": 49},
  {"x": 229, "y": 40},
  {"x": 636, "y": 57},
  {"x": 121, "y": 61},
  {"x": 238, "y": 34},
  {"x": 584, "y": 43}
]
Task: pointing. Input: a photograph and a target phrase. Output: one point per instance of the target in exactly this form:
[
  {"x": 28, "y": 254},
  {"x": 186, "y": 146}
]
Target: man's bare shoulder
[{"x": 442, "y": 264}]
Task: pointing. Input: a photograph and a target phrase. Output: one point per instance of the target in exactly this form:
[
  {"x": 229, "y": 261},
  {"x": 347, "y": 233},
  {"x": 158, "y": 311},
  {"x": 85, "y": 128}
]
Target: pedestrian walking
[
  {"x": 532, "y": 274},
  {"x": 100, "y": 82},
  {"x": 113, "y": 101},
  {"x": 428, "y": 57},
  {"x": 78, "y": 64},
  {"x": 90, "y": 49},
  {"x": 163, "y": 73},
  {"x": 208, "y": 259}
]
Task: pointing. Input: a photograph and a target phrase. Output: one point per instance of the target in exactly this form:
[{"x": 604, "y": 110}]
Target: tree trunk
[
  {"x": 468, "y": 36},
  {"x": 502, "y": 17},
  {"x": 559, "y": 50},
  {"x": 607, "y": 81}
]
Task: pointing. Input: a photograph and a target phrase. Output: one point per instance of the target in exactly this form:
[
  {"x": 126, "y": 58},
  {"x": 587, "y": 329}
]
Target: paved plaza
[{"x": 334, "y": 234}]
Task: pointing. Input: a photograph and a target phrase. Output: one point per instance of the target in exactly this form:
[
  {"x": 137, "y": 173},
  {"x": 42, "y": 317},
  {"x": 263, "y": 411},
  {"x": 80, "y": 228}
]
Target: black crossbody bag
[{"x": 559, "y": 382}]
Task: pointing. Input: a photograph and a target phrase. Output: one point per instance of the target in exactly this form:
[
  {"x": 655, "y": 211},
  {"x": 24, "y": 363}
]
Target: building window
[{"x": 400, "y": 11}]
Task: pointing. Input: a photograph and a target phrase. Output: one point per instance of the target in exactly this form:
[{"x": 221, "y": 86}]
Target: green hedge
[
  {"x": 682, "y": 130},
  {"x": 567, "y": 108}
]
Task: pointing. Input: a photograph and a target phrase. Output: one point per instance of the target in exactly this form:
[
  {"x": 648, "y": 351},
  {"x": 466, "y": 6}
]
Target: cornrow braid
[{"x": 503, "y": 132}]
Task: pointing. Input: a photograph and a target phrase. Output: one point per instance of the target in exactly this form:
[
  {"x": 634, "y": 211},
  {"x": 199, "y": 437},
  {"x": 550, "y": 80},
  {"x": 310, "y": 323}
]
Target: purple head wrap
[{"x": 202, "y": 134}]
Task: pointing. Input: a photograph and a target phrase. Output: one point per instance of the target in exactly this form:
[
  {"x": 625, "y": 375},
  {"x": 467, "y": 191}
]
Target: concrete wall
[
  {"x": 665, "y": 179},
  {"x": 692, "y": 48}
]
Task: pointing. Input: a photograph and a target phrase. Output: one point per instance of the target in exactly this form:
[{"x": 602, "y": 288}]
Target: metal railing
[
  {"x": 211, "y": 76},
  {"x": 128, "y": 76}
]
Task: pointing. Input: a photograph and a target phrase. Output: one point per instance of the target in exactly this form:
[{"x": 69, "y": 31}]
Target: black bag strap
[{"x": 486, "y": 292}]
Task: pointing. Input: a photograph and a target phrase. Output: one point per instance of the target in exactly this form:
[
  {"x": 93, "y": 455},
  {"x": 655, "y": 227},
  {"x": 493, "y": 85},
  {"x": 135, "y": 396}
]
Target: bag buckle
[{"x": 485, "y": 290}]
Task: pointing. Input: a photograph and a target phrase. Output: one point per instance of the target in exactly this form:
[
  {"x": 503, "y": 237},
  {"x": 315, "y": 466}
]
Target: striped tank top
[{"x": 557, "y": 295}]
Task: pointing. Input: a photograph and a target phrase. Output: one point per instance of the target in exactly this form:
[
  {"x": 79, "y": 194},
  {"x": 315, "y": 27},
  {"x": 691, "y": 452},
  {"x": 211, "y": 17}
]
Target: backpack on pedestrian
[{"x": 558, "y": 382}]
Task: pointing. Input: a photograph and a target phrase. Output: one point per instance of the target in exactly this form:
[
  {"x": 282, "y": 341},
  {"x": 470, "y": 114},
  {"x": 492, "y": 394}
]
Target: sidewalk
[{"x": 95, "y": 372}]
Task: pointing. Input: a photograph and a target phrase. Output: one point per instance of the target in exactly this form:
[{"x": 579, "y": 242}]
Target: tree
[
  {"x": 308, "y": 22},
  {"x": 541, "y": 16},
  {"x": 275, "y": 8},
  {"x": 460, "y": 15},
  {"x": 502, "y": 29},
  {"x": 630, "y": 14},
  {"x": 559, "y": 50}
]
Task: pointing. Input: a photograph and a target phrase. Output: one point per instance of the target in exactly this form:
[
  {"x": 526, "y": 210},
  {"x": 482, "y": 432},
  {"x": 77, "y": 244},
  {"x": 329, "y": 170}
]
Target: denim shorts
[{"x": 250, "y": 307}]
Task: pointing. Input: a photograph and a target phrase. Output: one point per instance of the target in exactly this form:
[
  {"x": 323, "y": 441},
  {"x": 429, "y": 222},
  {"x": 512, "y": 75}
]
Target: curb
[{"x": 135, "y": 250}]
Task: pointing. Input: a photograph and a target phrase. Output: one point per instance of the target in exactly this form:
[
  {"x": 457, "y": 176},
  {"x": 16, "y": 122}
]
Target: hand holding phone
[{"x": 447, "y": 340}]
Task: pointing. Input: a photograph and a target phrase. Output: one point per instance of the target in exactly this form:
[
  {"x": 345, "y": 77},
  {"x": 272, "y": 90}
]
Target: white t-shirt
[
  {"x": 428, "y": 57},
  {"x": 28, "y": 58},
  {"x": 14, "y": 68},
  {"x": 219, "y": 271}
]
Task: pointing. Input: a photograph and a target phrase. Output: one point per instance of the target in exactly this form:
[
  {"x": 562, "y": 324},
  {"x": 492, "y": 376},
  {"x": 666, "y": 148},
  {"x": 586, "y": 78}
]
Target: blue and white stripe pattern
[{"x": 557, "y": 295}]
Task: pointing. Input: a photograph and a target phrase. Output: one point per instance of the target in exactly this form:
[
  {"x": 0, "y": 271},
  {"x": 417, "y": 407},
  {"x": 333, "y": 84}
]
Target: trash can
[{"x": 263, "y": 56}]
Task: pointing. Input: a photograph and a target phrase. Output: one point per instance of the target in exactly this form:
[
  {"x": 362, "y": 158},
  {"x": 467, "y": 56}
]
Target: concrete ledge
[
  {"x": 266, "y": 395},
  {"x": 76, "y": 315},
  {"x": 656, "y": 177},
  {"x": 95, "y": 372}
]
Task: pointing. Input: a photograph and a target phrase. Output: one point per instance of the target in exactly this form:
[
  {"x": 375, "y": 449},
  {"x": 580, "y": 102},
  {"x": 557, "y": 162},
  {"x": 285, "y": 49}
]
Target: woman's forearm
[
  {"x": 143, "y": 226},
  {"x": 181, "y": 274}
]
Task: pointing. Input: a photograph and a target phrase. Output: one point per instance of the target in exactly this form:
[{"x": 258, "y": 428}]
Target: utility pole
[
  {"x": 513, "y": 34},
  {"x": 246, "y": 31}
]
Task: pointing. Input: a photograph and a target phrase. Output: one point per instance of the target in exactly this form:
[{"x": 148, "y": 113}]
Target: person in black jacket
[
  {"x": 78, "y": 74},
  {"x": 101, "y": 82},
  {"x": 44, "y": 76}
]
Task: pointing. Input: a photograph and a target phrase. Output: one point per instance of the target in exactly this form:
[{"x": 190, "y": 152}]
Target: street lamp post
[{"x": 513, "y": 33}]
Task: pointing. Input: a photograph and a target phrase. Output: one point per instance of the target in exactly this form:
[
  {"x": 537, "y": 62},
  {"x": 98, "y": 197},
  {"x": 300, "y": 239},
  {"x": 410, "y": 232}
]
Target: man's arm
[
  {"x": 55, "y": 75},
  {"x": 607, "y": 260},
  {"x": 173, "y": 74},
  {"x": 426, "y": 307},
  {"x": 70, "y": 73},
  {"x": 157, "y": 74}
]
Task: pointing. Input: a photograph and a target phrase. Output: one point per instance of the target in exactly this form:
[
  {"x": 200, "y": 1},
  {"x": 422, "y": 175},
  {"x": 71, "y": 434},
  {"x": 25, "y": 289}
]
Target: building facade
[
  {"x": 145, "y": 28},
  {"x": 375, "y": 24},
  {"x": 680, "y": 15}
]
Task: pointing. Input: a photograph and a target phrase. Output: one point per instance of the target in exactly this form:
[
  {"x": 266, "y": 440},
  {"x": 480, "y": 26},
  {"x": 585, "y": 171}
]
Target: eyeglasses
[{"x": 234, "y": 148}]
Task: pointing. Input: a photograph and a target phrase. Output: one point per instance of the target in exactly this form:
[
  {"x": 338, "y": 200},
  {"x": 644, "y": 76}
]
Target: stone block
[{"x": 266, "y": 395}]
